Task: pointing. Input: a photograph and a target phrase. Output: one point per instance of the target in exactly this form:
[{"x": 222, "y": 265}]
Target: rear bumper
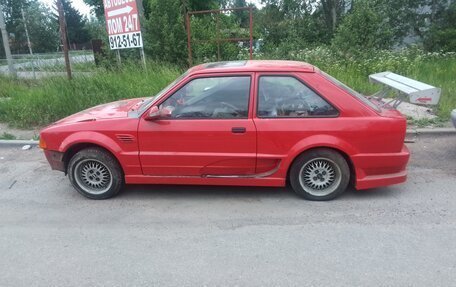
[
  {"x": 55, "y": 159},
  {"x": 375, "y": 170}
]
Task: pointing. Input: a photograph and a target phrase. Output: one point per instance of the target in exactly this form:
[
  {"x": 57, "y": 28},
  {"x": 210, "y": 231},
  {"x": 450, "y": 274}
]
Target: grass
[
  {"x": 435, "y": 69},
  {"x": 38, "y": 103},
  {"x": 437, "y": 72},
  {"x": 30, "y": 103},
  {"x": 7, "y": 136},
  {"x": 422, "y": 123}
]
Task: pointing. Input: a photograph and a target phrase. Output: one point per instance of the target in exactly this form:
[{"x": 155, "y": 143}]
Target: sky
[
  {"x": 78, "y": 4},
  {"x": 85, "y": 10}
]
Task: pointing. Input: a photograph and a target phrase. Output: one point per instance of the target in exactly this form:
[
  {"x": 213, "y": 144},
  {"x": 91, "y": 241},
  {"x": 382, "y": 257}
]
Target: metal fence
[{"x": 47, "y": 64}]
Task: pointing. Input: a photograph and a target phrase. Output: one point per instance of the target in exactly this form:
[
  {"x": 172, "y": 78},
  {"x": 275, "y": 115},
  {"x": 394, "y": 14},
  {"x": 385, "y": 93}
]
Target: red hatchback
[{"x": 244, "y": 123}]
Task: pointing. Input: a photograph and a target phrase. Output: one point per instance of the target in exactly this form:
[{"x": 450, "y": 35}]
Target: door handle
[{"x": 238, "y": 130}]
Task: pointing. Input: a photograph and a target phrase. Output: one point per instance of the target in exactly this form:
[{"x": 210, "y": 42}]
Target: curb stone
[
  {"x": 435, "y": 131},
  {"x": 17, "y": 142}
]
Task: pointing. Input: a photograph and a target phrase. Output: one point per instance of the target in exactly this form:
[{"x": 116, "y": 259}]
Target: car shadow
[
  {"x": 369, "y": 194},
  {"x": 238, "y": 192},
  {"x": 203, "y": 191}
]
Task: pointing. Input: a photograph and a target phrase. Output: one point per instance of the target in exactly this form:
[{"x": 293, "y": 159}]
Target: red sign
[
  {"x": 424, "y": 100},
  {"x": 122, "y": 24}
]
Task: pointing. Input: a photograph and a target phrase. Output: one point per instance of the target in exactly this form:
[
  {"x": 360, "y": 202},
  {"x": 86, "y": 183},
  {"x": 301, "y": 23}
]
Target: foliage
[
  {"x": 437, "y": 69},
  {"x": 77, "y": 32},
  {"x": 442, "y": 34},
  {"x": 166, "y": 38},
  {"x": 97, "y": 7},
  {"x": 43, "y": 30},
  {"x": 36, "y": 103},
  {"x": 96, "y": 27},
  {"x": 42, "y": 25},
  {"x": 365, "y": 29}
]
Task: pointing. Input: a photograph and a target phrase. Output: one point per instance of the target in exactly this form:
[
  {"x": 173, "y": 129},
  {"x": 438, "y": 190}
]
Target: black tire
[
  {"x": 95, "y": 173},
  {"x": 319, "y": 174}
]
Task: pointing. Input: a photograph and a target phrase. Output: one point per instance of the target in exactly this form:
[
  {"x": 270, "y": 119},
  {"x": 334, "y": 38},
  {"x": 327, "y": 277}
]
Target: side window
[
  {"x": 211, "y": 98},
  {"x": 285, "y": 96}
]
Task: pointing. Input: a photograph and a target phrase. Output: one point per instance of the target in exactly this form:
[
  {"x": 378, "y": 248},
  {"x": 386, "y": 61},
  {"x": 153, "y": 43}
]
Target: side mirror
[{"x": 156, "y": 113}]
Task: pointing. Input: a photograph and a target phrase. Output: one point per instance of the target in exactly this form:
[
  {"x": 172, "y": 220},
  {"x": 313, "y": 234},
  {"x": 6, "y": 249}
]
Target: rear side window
[
  {"x": 351, "y": 92},
  {"x": 287, "y": 97}
]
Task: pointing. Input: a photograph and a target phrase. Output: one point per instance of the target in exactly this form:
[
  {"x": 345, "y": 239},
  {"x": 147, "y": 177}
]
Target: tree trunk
[{"x": 333, "y": 15}]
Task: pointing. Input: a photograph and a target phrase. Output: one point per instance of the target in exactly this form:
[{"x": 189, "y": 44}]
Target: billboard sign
[{"x": 122, "y": 24}]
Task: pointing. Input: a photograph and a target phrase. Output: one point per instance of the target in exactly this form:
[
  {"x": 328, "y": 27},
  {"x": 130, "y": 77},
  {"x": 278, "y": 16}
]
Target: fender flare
[
  {"x": 319, "y": 141},
  {"x": 90, "y": 137},
  {"x": 95, "y": 138}
]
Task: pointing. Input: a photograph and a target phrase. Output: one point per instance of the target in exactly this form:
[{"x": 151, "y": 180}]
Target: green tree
[
  {"x": 97, "y": 7},
  {"x": 332, "y": 12},
  {"x": 364, "y": 29},
  {"x": 442, "y": 34},
  {"x": 166, "y": 38},
  {"x": 14, "y": 23},
  {"x": 42, "y": 27},
  {"x": 41, "y": 24},
  {"x": 77, "y": 32}
]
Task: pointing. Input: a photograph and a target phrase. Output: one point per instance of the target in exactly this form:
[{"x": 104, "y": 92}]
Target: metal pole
[
  {"x": 139, "y": 4},
  {"x": 218, "y": 36},
  {"x": 143, "y": 57},
  {"x": 5, "y": 38},
  {"x": 251, "y": 33},
  {"x": 189, "y": 40},
  {"x": 28, "y": 41},
  {"x": 119, "y": 59},
  {"x": 63, "y": 38}
]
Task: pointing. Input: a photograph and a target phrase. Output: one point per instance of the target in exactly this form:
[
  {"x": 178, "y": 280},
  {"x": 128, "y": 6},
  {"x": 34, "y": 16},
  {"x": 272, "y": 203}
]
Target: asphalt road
[{"x": 402, "y": 235}]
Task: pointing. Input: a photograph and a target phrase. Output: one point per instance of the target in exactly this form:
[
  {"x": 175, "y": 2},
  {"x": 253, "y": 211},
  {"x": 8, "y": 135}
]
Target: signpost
[{"x": 122, "y": 24}]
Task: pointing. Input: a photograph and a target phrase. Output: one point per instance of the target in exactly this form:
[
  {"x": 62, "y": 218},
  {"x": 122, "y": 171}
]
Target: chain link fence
[{"x": 48, "y": 64}]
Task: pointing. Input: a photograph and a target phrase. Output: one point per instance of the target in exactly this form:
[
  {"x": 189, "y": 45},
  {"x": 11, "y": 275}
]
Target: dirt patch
[{"x": 21, "y": 134}]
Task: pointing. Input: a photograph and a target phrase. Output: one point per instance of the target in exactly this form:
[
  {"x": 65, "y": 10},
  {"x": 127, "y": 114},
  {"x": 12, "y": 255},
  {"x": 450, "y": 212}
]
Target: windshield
[
  {"x": 147, "y": 102},
  {"x": 352, "y": 92}
]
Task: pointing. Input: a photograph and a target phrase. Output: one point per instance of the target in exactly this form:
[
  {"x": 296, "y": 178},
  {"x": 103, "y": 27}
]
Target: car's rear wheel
[
  {"x": 320, "y": 174},
  {"x": 95, "y": 173}
]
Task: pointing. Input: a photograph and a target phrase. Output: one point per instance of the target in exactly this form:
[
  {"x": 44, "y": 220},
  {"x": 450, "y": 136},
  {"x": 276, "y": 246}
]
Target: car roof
[{"x": 253, "y": 66}]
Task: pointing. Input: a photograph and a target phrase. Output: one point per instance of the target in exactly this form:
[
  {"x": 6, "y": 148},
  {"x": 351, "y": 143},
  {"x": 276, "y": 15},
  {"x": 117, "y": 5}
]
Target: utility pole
[
  {"x": 28, "y": 41},
  {"x": 63, "y": 37},
  {"x": 5, "y": 38}
]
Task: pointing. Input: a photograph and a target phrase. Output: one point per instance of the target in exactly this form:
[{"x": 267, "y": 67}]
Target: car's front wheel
[
  {"x": 319, "y": 174},
  {"x": 95, "y": 173}
]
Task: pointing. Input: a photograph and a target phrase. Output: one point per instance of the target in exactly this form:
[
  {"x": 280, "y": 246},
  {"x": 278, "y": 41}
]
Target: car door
[
  {"x": 288, "y": 111},
  {"x": 208, "y": 130}
]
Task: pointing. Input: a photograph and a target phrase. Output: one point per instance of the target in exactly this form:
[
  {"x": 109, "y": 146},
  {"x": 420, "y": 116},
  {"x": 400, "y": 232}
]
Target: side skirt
[{"x": 196, "y": 180}]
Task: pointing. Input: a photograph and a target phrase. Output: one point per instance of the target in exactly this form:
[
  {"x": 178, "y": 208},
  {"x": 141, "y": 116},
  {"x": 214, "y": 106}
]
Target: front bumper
[
  {"x": 375, "y": 170},
  {"x": 55, "y": 159}
]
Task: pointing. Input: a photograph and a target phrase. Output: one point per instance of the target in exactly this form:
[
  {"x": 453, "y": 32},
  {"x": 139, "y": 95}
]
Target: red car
[{"x": 243, "y": 123}]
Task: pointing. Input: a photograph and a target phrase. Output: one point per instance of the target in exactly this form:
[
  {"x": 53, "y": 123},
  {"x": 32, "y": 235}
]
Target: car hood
[{"x": 112, "y": 110}]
